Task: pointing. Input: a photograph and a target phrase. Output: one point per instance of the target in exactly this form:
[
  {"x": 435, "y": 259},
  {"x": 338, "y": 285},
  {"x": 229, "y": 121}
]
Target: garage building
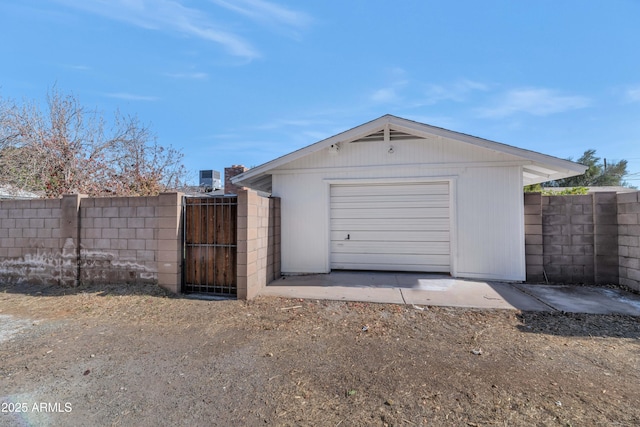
[{"x": 398, "y": 195}]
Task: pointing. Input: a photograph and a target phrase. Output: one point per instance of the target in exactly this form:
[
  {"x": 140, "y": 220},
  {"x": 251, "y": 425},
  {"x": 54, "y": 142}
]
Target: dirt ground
[{"x": 136, "y": 356}]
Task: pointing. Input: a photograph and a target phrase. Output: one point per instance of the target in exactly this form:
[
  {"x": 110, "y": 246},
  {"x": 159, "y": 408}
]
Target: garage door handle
[{"x": 348, "y": 237}]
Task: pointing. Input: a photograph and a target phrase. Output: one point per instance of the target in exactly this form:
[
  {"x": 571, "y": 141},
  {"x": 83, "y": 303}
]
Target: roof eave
[
  {"x": 259, "y": 178},
  {"x": 537, "y": 173},
  {"x": 348, "y": 135}
]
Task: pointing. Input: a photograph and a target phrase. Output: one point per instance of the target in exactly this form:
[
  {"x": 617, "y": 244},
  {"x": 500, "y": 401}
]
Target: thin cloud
[
  {"x": 77, "y": 67},
  {"x": 457, "y": 91},
  {"x": 223, "y": 136},
  {"x": 169, "y": 16},
  {"x": 390, "y": 94},
  {"x": 288, "y": 123},
  {"x": 188, "y": 76},
  {"x": 534, "y": 101},
  {"x": 131, "y": 97},
  {"x": 267, "y": 13},
  {"x": 633, "y": 94},
  {"x": 385, "y": 95}
]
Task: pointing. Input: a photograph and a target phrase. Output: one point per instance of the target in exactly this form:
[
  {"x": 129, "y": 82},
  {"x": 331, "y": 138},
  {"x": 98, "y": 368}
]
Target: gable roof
[{"x": 537, "y": 167}]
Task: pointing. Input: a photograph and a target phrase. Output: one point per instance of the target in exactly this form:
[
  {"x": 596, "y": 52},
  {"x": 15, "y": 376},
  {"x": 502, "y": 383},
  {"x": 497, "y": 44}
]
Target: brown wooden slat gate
[{"x": 210, "y": 245}]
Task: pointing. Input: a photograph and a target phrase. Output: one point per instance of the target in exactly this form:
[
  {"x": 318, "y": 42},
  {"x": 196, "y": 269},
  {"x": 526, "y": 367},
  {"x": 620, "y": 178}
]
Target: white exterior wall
[
  {"x": 487, "y": 229},
  {"x": 490, "y": 224}
]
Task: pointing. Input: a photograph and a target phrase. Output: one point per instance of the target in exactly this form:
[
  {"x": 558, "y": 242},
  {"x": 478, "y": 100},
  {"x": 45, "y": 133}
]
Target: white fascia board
[
  {"x": 560, "y": 168},
  {"x": 427, "y": 131}
]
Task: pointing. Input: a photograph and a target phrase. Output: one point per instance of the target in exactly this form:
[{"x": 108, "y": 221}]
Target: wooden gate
[{"x": 210, "y": 245}]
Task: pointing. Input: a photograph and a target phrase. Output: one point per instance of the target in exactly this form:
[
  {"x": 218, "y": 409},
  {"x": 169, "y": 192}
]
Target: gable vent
[{"x": 394, "y": 135}]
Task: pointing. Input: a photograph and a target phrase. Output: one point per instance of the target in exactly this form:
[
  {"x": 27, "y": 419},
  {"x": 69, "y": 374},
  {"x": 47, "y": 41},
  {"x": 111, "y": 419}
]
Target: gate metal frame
[{"x": 228, "y": 289}]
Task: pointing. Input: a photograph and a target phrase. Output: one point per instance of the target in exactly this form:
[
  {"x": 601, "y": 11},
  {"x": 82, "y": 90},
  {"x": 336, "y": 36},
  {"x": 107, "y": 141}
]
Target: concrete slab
[
  {"x": 585, "y": 299},
  {"x": 443, "y": 290},
  {"x": 345, "y": 279},
  {"x": 336, "y": 293},
  {"x": 404, "y": 288},
  {"x": 473, "y": 294}
]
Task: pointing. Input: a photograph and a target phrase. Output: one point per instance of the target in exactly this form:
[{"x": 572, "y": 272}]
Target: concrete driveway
[{"x": 440, "y": 290}]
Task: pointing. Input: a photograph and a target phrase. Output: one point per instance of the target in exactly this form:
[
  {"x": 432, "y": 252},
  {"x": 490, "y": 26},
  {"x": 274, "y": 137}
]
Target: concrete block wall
[
  {"x": 273, "y": 240},
  {"x": 118, "y": 240},
  {"x": 605, "y": 218},
  {"x": 31, "y": 242},
  {"x": 568, "y": 238},
  {"x": 628, "y": 216},
  {"x": 169, "y": 241},
  {"x": 92, "y": 240},
  {"x": 533, "y": 237},
  {"x": 258, "y": 252},
  {"x": 572, "y": 239}
]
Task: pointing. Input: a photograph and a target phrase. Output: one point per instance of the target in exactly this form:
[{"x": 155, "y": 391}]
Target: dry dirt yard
[{"x": 136, "y": 356}]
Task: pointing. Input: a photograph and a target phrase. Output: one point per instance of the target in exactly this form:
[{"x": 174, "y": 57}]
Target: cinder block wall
[
  {"x": 31, "y": 242},
  {"x": 605, "y": 218},
  {"x": 572, "y": 239},
  {"x": 629, "y": 239},
  {"x": 567, "y": 235},
  {"x": 118, "y": 240},
  {"x": 92, "y": 240},
  {"x": 533, "y": 237},
  {"x": 258, "y": 242},
  {"x": 168, "y": 235}
]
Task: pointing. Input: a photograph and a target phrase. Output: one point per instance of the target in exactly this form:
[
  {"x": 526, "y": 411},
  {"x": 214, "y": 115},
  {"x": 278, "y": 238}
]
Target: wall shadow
[
  {"x": 580, "y": 324},
  {"x": 101, "y": 289}
]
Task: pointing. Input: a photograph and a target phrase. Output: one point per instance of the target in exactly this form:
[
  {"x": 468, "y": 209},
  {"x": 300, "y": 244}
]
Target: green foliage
[
  {"x": 597, "y": 174},
  {"x": 572, "y": 191},
  {"x": 551, "y": 191},
  {"x": 535, "y": 188}
]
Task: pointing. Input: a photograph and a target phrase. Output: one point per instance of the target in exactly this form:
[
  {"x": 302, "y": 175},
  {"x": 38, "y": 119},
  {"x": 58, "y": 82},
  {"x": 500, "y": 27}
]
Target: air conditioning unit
[{"x": 210, "y": 180}]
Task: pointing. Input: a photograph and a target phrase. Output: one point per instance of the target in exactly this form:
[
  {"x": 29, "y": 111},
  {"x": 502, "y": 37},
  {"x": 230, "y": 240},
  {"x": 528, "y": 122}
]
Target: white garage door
[{"x": 395, "y": 227}]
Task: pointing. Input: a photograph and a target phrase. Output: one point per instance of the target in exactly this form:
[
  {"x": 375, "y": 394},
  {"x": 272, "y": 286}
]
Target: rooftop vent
[{"x": 394, "y": 135}]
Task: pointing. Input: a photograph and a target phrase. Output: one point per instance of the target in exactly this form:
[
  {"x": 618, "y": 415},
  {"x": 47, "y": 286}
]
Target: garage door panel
[
  {"x": 392, "y": 200},
  {"x": 405, "y": 259},
  {"x": 390, "y": 248},
  {"x": 398, "y": 260},
  {"x": 359, "y": 190},
  {"x": 384, "y": 204},
  {"x": 400, "y": 198},
  {"x": 399, "y": 226},
  {"x": 395, "y": 212},
  {"x": 389, "y": 236},
  {"x": 422, "y": 268}
]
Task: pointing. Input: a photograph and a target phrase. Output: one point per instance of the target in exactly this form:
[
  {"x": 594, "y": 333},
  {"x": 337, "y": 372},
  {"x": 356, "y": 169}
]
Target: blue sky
[{"x": 245, "y": 81}]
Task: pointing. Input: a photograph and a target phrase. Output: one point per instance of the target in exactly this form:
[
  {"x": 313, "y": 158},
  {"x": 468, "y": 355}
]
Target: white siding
[
  {"x": 376, "y": 153},
  {"x": 304, "y": 223},
  {"x": 491, "y": 224},
  {"x": 487, "y": 235}
]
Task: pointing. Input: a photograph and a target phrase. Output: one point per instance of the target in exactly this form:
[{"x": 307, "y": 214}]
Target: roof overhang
[
  {"x": 537, "y": 167},
  {"x": 10, "y": 192}
]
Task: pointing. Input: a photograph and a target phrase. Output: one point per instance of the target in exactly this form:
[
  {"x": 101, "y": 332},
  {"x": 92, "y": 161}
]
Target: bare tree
[
  {"x": 67, "y": 149},
  {"x": 144, "y": 167}
]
